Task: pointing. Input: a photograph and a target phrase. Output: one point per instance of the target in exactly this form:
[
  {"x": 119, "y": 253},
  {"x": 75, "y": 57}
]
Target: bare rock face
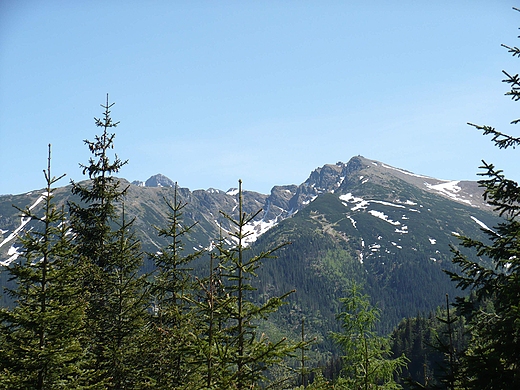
[{"x": 159, "y": 181}]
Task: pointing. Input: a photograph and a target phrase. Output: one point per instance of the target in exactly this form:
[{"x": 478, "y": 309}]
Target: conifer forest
[{"x": 91, "y": 309}]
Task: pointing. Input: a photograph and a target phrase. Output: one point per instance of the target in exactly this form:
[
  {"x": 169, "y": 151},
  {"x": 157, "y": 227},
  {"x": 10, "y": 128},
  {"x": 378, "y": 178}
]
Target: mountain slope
[
  {"x": 362, "y": 220},
  {"x": 386, "y": 230}
]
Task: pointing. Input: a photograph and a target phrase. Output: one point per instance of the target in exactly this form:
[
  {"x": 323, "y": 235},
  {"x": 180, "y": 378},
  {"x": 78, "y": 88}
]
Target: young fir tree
[
  {"x": 239, "y": 355},
  {"x": 367, "y": 356},
  {"x": 110, "y": 258},
  {"x": 173, "y": 323},
  {"x": 40, "y": 337}
]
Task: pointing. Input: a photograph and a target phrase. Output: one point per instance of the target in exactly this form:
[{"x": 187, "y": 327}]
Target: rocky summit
[{"x": 388, "y": 228}]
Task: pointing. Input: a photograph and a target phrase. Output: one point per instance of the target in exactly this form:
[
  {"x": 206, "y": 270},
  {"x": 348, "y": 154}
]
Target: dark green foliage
[
  {"x": 40, "y": 337},
  {"x": 110, "y": 258},
  {"x": 324, "y": 255},
  {"x": 178, "y": 327},
  {"x": 493, "y": 359},
  {"x": 240, "y": 355},
  {"x": 433, "y": 354},
  {"x": 366, "y": 356},
  {"x": 173, "y": 327}
]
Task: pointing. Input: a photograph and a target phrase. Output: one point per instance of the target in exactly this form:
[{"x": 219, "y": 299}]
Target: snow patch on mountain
[
  {"x": 449, "y": 189},
  {"x": 402, "y": 230},
  {"x": 23, "y": 220},
  {"x": 13, "y": 254},
  {"x": 374, "y": 247},
  {"x": 362, "y": 203},
  {"x": 256, "y": 229},
  {"x": 234, "y": 191},
  {"x": 387, "y": 203},
  {"x": 353, "y": 221},
  {"x": 383, "y": 216},
  {"x": 482, "y": 224},
  {"x": 349, "y": 198},
  {"x": 306, "y": 202}
]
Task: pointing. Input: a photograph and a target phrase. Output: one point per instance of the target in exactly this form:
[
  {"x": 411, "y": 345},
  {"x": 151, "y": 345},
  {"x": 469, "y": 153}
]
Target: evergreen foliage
[
  {"x": 172, "y": 330},
  {"x": 433, "y": 344},
  {"x": 110, "y": 258},
  {"x": 493, "y": 359},
  {"x": 174, "y": 326},
  {"x": 240, "y": 355},
  {"x": 366, "y": 355},
  {"x": 40, "y": 337}
]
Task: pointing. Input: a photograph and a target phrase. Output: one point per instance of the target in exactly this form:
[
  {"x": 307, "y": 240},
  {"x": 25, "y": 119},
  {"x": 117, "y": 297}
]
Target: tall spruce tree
[
  {"x": 110, "y": 258},
  {"x": 40, "y": 336},
  {"x": 493, "y": 359},
  {"x": 367, "y": 356},
  {"x": 173, "y": 322},
  {"x": 245, "y": 355},
  {"x": 239, "y": 356}
]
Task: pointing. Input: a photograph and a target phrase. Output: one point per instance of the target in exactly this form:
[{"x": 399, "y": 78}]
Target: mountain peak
[{"x": 159, "y": 181}]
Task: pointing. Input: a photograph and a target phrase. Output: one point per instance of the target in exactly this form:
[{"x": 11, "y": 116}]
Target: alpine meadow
[{"x": 365, "y": 276}]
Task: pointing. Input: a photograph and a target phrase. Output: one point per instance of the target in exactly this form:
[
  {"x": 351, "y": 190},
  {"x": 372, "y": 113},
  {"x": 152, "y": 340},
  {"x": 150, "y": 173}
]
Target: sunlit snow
[
  {"x": 13, "y": 254},
  {"x": 23, "y": 221},
  {"x": 383, "y": 216},
  {"x": 352, "y": 220},
  {"x": 374, "y": 247},
  {"x": 256, "y": 229},
  {"x": 402, "y": 230},
  {"x": 309, "y": 201},
  {"x": 449, "y": 189},
  {"x": 360, "y": 202},
  {"x": 387, "y": 203},
  {"x": 482, "y": 224}
]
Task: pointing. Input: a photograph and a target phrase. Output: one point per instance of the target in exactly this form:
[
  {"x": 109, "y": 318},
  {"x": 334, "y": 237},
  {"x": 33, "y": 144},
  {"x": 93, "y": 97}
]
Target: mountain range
[{"x": 385, "y": 227}]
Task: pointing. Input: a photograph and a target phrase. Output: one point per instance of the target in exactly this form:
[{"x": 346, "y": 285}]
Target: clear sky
[{"x": 209, "y": 92}]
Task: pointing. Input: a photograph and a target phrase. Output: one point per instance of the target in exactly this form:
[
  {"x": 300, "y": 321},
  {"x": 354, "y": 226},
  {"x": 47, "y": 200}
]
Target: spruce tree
[
  {"x": 213, "y": 307},
  {"x": 40, "y": 337},
  {"x": 493, "y": 359},
  {"x": 367, "y": 356},
  {"x": 110, "y": 258},
  {"x": 240, "y": 355},
  {"x": 173, "y": 322}
]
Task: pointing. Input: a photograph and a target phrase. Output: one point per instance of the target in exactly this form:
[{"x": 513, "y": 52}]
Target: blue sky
[{"x": 264, "y": 91}]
